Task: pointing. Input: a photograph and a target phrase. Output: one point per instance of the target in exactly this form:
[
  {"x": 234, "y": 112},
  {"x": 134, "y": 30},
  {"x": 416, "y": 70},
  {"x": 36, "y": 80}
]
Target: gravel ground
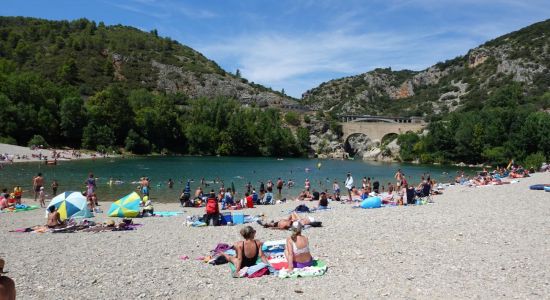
[{"x": 489, "y": 242}]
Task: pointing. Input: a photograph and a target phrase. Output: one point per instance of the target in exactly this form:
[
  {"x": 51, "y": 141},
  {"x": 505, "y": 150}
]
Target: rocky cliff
[{"x": 521, "y": 56}]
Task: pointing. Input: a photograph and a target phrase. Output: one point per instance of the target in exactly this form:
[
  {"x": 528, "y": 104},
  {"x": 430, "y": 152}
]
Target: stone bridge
[{"x": 376, "y": 127}]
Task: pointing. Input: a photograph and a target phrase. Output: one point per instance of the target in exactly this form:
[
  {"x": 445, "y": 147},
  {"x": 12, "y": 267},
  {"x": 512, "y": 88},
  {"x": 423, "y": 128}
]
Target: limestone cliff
[{"x": 520, "y": 56}]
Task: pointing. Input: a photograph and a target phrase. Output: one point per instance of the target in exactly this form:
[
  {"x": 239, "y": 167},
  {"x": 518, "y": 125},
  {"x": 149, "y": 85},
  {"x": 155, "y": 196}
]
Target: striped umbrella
[
  {"x": 127, "y": 206},
  {"x": 71, "y": 204}
]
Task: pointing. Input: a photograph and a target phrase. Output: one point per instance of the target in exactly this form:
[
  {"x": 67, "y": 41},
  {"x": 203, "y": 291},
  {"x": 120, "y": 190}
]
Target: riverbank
[
  {"x": 486, "y": 242},
  {"x": 15, "y": 154}
]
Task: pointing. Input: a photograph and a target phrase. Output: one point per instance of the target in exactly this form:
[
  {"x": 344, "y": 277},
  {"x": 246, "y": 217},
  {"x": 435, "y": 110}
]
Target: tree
[
  {"x": 38, "y": 141},
  {"x": 68, "y": 72},
  {"x": 238, "y": 73},
  {"x": 97, "y": 137},
  {"x": 137, "y": 144},
  {"x": 72, "y": 114},
  {"x": 111, "y": 107}
]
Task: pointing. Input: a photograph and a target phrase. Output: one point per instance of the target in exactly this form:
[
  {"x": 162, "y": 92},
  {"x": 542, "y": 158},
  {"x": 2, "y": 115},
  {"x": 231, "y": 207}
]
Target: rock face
[
  {"x": 477, "y": 57},
  {"x": 174, "y": 79},
  {"x": 522, "y": 56}
]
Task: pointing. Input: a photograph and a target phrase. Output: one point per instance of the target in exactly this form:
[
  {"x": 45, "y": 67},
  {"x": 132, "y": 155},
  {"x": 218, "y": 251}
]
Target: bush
[
  {"x": 534, "y": 161},
  {"x": 137, "y": 144},
  {"x": 38, "y": 141},
  {"x": 8, "y": 140},
  {"x": 307, "y": 119},
  {"x": 292, "y": 118}
]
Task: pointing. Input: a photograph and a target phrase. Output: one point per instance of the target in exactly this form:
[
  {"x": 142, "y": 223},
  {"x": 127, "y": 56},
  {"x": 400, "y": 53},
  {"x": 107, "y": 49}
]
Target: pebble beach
[{"x": 485, "y": 242}]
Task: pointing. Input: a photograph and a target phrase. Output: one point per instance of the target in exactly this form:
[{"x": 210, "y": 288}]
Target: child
[
  {"x": 42, "y": 197},
  {"x": 18, "y": 192}
]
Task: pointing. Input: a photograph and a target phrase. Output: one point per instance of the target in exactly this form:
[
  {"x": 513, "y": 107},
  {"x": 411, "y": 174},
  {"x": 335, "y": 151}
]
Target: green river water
[{"x": 237, "y": 170}]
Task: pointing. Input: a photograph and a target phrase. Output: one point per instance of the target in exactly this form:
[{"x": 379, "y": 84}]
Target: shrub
[
  {"x": 534, "y": 160},
  {"x": 38, "y": 141},
  {"x": 307, "y": 119},
  {"x": 8, "y": 140},
  {"x": 292, "y": 118}
]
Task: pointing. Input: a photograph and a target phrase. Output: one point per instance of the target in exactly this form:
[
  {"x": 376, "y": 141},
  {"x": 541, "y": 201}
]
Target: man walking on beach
[
  {"x": 349, "y": 185},
  {"x": 37, "y": 183}
]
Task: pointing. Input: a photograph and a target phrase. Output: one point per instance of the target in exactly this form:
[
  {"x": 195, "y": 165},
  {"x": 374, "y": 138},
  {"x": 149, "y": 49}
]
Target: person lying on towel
[
  {"x": 247, "y": 251},
  {"x": 286, "y": 223}
]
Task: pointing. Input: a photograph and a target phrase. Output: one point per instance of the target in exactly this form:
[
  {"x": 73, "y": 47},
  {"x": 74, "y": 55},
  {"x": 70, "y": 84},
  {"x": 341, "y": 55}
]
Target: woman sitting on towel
[
  {"x": 297, "y": 249},
  {"x": 247, "y": 251}
]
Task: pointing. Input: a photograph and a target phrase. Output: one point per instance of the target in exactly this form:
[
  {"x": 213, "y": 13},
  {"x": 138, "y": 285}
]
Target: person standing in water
[
  {"x": 37, "y": 183},
  {"x": 55, "y": 185},
  {"x": 170, "y": 183},
  {"x": 398, "y": 178},
  {"x": 280, "y": 184},
  {"x": 349, "y": 185}
]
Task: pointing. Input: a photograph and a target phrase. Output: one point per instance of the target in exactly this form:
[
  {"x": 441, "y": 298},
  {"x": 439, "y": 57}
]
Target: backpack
[
  {"x": 211, "y": 206},
  {"x": 301, "y": 208}
]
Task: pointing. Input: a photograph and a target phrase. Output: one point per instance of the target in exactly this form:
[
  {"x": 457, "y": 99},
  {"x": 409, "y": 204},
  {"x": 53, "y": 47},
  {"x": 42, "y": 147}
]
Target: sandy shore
[
  {"x": 26, "y": 154},
  {"x": 489, "y": 242}
]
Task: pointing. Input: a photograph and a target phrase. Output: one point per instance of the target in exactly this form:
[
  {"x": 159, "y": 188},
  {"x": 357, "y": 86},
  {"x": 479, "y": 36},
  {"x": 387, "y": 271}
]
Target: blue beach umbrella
[{"x": 71, "y": 204}]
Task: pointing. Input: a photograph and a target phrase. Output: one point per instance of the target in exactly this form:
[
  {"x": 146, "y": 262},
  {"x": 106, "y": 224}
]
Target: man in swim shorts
[{"x": 37, "y": 183}]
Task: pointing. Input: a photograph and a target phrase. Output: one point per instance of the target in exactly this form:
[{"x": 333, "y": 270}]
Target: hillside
[
  {"x": 91, "y": 56},
  {"x": 464, "y": 82},
  {"x": 106, "y": 88}
]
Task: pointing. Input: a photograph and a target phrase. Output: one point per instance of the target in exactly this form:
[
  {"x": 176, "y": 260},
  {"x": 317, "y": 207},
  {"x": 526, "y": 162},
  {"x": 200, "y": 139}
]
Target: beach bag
[{"x": 302, "y": 208}]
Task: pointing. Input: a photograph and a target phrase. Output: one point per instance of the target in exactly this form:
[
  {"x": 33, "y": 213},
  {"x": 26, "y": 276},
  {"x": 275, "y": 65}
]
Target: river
[{"x": 237, "y": 170}]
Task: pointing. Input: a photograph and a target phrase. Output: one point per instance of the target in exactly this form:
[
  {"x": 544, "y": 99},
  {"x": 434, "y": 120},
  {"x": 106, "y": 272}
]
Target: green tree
[
  {"x": 96, "y": 137},
  {"x": 68, "y": 72},
  {"x": 72, "y": 114},
  {"x": 111, "y": 107},
  {"x": 38, "y": 141}
]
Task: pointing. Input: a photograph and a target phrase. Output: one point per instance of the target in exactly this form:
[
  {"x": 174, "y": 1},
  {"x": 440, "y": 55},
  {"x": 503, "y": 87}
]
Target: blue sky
[{"x": 298, "y": 44}]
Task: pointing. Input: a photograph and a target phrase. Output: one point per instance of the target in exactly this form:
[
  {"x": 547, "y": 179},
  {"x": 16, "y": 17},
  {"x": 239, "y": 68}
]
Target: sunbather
[
  {"x": 54, "y": 219},
  {"x": 297, "y": 249},
  {"x": 286, "y": 223},
  {"x": 247, "y": 251}
]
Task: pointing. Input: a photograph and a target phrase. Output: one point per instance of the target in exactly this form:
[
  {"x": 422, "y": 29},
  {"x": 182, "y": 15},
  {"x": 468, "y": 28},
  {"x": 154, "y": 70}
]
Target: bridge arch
[{"x": 376, "y": 131}]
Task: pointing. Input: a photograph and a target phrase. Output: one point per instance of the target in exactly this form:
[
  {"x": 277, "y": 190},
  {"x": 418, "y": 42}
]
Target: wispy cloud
[
  {"x": 163, "y": 9},
  {"x": 279, "y": 60}
]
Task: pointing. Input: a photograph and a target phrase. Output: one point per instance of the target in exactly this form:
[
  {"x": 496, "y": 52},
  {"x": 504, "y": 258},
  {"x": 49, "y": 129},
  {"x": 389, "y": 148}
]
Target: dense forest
[{"x": 38, "y": 111}]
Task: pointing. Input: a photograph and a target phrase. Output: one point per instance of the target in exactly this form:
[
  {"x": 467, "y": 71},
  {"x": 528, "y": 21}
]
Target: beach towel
[
  {"x": 168, "y": 213},
  {"x": 318, "y": 268},
  {"x": 21, "y": 207}
]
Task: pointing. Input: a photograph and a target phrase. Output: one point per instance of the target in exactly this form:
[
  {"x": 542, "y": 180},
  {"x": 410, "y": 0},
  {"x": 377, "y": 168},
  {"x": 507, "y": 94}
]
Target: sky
[{"x": 296, "y": 45}]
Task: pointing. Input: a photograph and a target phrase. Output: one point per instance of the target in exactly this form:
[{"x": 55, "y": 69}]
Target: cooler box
[
  {"x": 226, "y": 218},
  {"x": 238, "y": 218}
]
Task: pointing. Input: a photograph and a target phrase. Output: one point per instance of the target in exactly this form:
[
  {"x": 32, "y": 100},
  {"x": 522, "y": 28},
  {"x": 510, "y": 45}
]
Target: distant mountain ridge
[
  {"x": 92, "y": 56},
  {"x": 460, "y": 83}
]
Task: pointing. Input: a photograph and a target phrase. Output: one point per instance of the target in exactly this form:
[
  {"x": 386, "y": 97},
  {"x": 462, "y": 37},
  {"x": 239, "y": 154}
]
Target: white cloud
[{"x": 281, "y": 61}]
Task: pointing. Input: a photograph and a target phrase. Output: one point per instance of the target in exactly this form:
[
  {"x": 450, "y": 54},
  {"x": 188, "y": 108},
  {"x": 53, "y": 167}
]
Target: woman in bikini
[
  {"x": 297, "y": 249},
  {"x": 247, "y": 251}
]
